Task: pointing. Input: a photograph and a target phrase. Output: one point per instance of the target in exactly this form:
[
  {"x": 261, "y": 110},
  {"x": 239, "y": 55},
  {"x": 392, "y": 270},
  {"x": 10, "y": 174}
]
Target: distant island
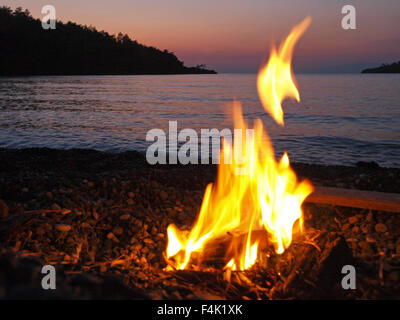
[
  {"x": 384, "y": 68},
  {"x": 73, "y": 49}
]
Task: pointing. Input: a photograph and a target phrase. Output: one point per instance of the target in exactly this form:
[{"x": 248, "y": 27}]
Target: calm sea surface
[{"x": 341, "y": 119}]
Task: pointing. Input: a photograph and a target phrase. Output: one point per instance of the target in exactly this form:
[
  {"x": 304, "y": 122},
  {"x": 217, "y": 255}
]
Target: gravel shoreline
[{"x": 101, "y": 219}]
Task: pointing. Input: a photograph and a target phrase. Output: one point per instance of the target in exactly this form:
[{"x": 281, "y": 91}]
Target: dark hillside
[
  {"x": 384, "y": 68},
  {"x": 72, "y": 49}
]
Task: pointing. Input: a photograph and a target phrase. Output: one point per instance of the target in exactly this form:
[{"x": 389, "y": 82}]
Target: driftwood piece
[
  {"x": 219, "y": 251},
  {"x": 310, "y": 268},
  {"x": 314, "y": 264},
  {"x": 356, "y": 199}
]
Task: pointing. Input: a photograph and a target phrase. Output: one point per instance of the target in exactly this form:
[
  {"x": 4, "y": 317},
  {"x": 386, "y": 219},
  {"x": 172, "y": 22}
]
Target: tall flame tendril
[
  {"x": 253, "y": 193},
  {"x": 275, "y": 82}
]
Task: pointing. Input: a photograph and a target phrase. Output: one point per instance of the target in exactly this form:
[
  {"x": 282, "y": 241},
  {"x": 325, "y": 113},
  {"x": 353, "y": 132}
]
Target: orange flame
[
  {"x": 253, "y": 191},
  {"x": 275, "y": 82}
]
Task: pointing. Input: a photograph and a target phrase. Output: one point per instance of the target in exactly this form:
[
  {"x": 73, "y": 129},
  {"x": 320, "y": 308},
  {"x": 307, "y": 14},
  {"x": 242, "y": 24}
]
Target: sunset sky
[{"x": 235, "y": 35}]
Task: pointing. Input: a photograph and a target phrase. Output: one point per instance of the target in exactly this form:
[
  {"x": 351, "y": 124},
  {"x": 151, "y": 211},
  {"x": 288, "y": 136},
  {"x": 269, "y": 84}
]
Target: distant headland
[
  {"x": 384, "y": 68},
  {"x": 73, "y": 49}
]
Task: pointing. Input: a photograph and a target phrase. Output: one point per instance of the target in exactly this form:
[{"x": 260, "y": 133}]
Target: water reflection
[{"x": 340, "y": 120}]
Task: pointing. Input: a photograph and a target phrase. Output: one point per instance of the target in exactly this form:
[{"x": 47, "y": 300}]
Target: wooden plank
[{"x": 356, "y": 198}]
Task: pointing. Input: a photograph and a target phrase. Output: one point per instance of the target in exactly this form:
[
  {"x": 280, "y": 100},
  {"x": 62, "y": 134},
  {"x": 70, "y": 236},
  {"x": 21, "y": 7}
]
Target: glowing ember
[{"x": 255, "y": 193}]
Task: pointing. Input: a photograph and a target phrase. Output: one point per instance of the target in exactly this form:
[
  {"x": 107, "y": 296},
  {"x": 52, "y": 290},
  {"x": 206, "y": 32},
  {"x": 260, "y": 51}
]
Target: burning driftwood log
[
  {"x": 218, "y": 251},
  {"x": 311, "y": 265},
  {"x": 315, "y": 261}
]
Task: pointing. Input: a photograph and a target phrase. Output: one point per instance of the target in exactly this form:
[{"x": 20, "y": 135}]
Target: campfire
[
  {"x": 248, "y": 225},
  {"x": 256, "y": 201}
]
